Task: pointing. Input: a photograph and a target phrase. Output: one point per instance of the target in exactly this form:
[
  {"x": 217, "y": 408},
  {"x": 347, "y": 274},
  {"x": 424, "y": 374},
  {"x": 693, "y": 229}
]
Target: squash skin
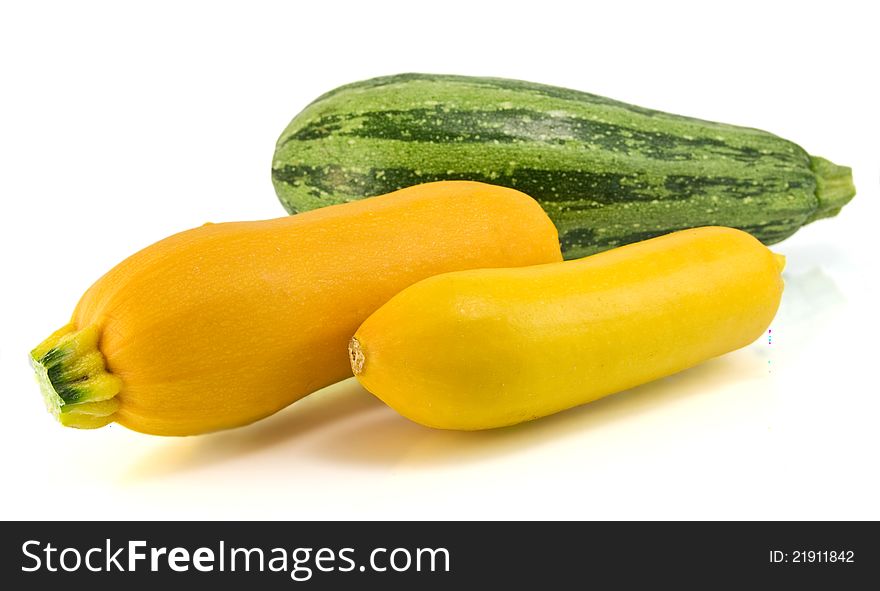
[
  {"x": 503, "y": 346},
  {"x": 608, "y": 173},
  {"x": 224, "y": 324}
]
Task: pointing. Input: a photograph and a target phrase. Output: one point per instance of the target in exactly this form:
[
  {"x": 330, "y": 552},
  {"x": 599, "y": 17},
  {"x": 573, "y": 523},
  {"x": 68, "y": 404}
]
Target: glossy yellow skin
[
  {"x": 224, "y": 324},
  {"x": 488, "y": 348}
]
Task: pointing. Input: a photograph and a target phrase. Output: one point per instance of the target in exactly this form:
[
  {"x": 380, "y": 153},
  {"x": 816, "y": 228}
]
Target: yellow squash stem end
[
  {"x": 76, "y": 386},
  {"x": 780, "y": 261}
]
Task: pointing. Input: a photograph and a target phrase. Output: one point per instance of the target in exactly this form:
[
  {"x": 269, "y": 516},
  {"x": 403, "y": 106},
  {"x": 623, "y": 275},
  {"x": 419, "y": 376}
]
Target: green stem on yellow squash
[{"x": 74, "y": 380}]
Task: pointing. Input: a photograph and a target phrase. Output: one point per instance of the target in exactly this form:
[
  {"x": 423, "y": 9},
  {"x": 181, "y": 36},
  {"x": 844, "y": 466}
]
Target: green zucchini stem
[
  {"x": 834, "y": 187},
  {"x": 74, "y": 380}
]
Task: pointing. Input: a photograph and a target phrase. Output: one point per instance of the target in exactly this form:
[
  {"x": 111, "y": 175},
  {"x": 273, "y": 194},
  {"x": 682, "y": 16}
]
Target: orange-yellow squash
[
  {"x": 487, "y": 348},
  {"x": 227, "y": 323}
]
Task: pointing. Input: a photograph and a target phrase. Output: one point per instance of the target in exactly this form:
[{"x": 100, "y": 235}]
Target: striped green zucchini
[{"x": 608, "y": 173}]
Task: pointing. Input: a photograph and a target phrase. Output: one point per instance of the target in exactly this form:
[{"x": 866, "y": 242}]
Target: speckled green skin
[{"x": 606, "y": 172}]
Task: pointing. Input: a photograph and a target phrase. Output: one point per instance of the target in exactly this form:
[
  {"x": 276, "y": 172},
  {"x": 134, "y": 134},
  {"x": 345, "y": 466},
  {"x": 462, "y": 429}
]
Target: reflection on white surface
[
  {"x": 810, "y": 301},
  {"x": 346, "y": 424}
]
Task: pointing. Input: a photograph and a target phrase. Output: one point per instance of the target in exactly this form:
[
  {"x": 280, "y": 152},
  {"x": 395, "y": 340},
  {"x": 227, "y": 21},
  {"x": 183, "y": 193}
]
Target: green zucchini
[{"x": 608, "y": 173}]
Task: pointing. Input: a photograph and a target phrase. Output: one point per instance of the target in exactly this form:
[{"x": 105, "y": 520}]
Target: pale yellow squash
[
  {"x": 224, "y": 324},
  {"x": 487, "y": 348}
]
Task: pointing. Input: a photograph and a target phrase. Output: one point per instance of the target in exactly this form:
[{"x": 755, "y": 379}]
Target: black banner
[{"x": 319, "y": 555}]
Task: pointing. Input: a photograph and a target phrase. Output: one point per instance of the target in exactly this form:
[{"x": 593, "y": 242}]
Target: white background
[{"x": 121, "y": 124}]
